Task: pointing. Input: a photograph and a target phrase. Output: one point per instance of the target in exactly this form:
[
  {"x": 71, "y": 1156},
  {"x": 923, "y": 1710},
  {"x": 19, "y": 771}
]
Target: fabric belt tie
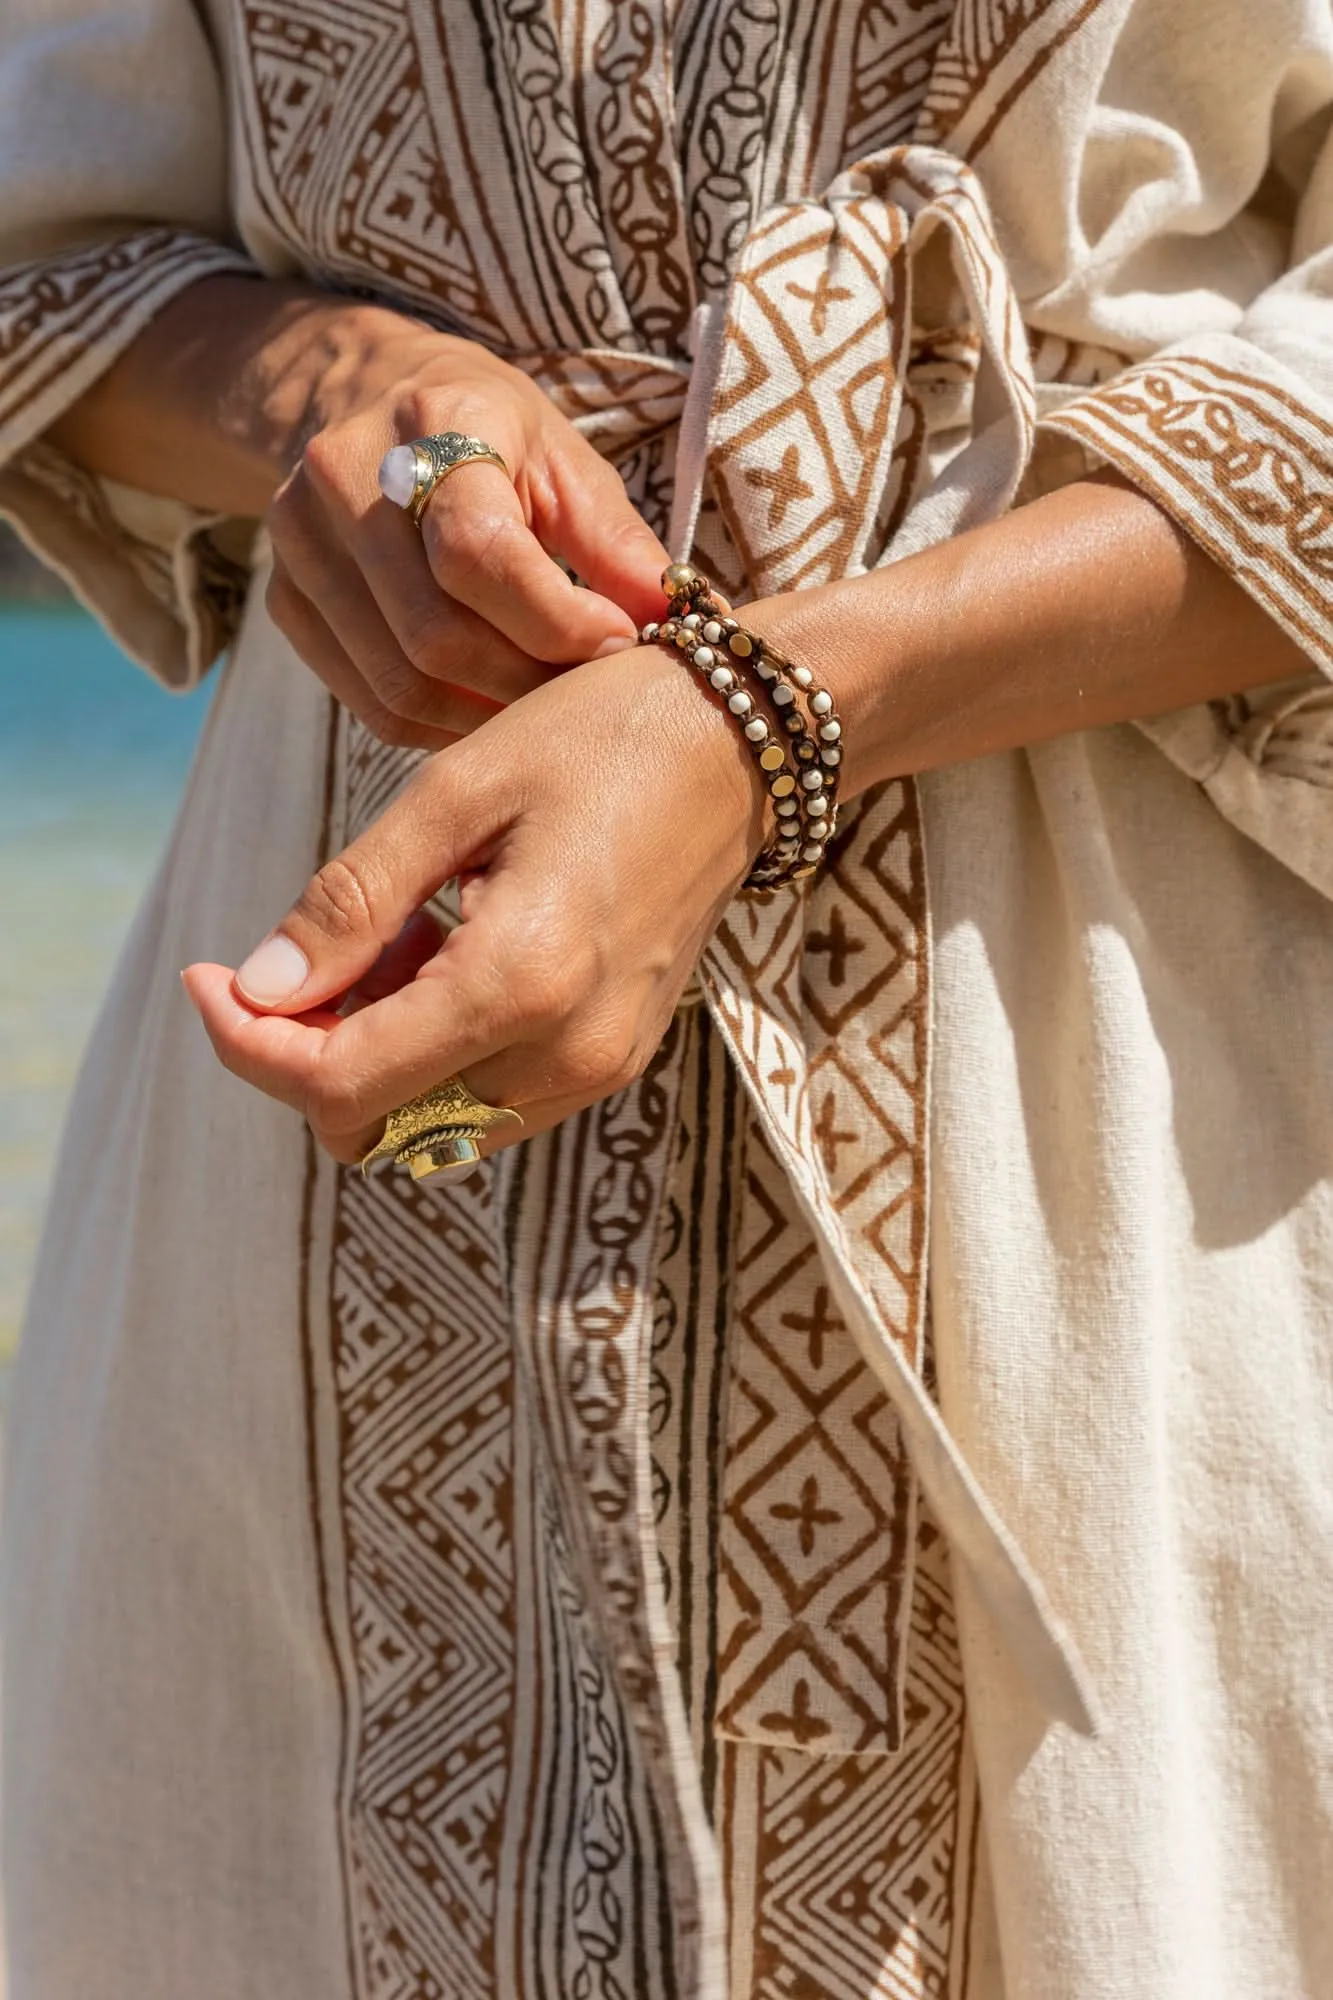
[{"x": 864, "y": 391}]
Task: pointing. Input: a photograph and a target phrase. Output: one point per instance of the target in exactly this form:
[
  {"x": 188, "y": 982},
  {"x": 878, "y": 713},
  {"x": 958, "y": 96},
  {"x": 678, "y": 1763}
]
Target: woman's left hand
[{"x": 600, "y": 825}]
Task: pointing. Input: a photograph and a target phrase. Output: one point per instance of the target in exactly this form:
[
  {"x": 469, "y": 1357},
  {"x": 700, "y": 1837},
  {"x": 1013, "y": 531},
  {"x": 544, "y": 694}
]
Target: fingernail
[
  {"x": 615, "y": 645},
  {"x": 274, "y": 971}
]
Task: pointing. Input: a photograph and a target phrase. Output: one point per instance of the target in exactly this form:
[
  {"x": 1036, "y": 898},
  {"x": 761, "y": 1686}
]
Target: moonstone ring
[{"x": 410, "y": 473}]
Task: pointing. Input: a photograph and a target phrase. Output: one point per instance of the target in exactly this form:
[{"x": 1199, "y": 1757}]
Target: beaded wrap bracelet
[{"x": 797, "y": 744}]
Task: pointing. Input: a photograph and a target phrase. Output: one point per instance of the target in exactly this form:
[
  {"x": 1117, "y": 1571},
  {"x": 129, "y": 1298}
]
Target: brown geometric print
[
  {"x": 340, "y": 134},
  {"x": 421, "y": 1492},
  {"x": 442, "y": 156},
  {"x": 1241, "y": 461},
  {"x": 993, "y": 52},
  {"x": 502, "y": 1796},
  {"x": 817, "y": 1508},
  {"x": 851, "y": 1877},
  {"x": 424, "y": 1382},
  {"x": 815, "y": 453},
  {"x": 846, "y": 1875},
  {"x": 620, "y": 1531}
]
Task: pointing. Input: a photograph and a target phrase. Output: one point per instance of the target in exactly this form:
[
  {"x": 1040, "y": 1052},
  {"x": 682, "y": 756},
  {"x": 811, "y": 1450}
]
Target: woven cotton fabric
[{"x": 599, "y": 1580}]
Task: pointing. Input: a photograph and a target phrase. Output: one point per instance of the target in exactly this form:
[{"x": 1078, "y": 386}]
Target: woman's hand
[
  {"x": 600, "y": 826},
  {"x": 423, "y": 634},
  {"x": 253, "y": 397}
]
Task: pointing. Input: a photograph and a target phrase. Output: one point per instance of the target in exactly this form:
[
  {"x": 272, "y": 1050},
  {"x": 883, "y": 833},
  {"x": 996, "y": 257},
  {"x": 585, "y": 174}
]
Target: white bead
[
  {"x": 821, "y": 703},
  {"x": 816, "y": 805},
  {"x": 764, "y": 671},
  {"x": 830, "y": 754},
  {"x": 756, "y": 730},
  {"x": 783, "y": 696},
  {"x": 818, "y": 829},
  {"x": 739, "y": 703},
  {"x": 829, "y": 732},
  {"x": 649, "y": 632},
  {"x": 704, "y": 657},
  {"x": 398, "y": 475},
  {"x": 712, "y": 631},
  {"x": 802, "y": 676},
  {"x": 812, "y": 780},
  {"x": 814, "y": 852},
  {"x": 784, "y": 807},
  {"x": 722, "y": 678},
  {"x": 692, "y": 621}
]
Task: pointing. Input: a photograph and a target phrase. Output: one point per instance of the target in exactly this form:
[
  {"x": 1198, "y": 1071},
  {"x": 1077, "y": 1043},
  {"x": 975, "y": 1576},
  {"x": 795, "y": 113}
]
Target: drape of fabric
[{"x": 544, "y": 1563}]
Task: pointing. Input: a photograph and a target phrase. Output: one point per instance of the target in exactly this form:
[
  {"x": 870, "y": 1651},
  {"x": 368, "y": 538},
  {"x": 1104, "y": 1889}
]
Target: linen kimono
[{"x": 606, "y": 1578}]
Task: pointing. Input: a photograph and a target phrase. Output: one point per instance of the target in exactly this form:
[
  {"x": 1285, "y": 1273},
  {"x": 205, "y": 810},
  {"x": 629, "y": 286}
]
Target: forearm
[
  {"x": 1085, "y": 608},
  {"x": 214, "y": 400}
]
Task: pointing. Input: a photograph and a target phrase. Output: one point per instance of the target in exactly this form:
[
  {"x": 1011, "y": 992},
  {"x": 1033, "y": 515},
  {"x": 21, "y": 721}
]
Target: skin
[{"x": 602, "y": 822}]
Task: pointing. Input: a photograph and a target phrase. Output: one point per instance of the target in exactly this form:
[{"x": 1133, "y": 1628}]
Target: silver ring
[{"x": 410, "y": 473}]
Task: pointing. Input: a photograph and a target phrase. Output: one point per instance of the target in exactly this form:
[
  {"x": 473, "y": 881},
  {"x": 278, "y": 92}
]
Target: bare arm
[{"x": 1090, "y": 606}]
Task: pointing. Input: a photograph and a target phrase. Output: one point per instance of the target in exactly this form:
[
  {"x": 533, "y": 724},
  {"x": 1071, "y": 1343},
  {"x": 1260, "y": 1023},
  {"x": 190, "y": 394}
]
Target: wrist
[
  {"x": 788, "y": 721},
  {"x": 724, "y": 788},
  {"x": 898, "y": 650}
]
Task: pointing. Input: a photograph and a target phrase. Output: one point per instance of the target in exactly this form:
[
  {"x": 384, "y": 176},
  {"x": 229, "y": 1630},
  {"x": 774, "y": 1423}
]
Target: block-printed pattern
[
  {"x": 606, "y": 1384},
  {"x": 696, "y": 1412}
]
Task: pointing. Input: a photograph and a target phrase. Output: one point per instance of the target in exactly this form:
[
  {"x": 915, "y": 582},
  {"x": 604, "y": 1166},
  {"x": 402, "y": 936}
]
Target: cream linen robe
[{"x": 355, "y": 1636}]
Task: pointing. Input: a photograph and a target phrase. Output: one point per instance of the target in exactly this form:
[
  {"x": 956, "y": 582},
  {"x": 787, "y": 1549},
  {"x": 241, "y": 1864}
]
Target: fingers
[
  {"x": 363, "y": 563},
  {"x": 518, "y": 1045},
  {"x": 380, "y": 686},
  {"x": 598, "y": 531},
  {"x": 358, "y": 902},
  {"x": 292, "y": 1060},
  {"x": 345, "y": 1073},
  {"x": 483, "y": 554},
  {"x": 471, "y": 597},
  {"x": 439, "y": 636},
  {"x": 276, "y": 1054},
  {"x": 400, "y": 961}
]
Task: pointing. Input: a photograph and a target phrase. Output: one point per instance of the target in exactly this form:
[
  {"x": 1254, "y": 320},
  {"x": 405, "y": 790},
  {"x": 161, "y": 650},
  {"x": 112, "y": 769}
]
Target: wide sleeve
[
  {"x": 1228, "y": 425},
  {"x": 113, "y": 164}
]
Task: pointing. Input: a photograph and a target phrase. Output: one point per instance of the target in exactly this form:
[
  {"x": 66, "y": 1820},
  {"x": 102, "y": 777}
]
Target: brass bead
[
  {"x": 678, "y": 577},
  {"x": 741, "y": 644},
  {"x": 772, "y": 759},
  {"x": 784, "y": 786}
]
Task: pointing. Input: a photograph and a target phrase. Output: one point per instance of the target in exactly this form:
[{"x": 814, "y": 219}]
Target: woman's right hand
[{"x": 424, "y": 633}]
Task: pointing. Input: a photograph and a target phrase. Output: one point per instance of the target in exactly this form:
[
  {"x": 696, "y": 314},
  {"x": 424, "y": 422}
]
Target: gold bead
[
  {"x": 772, "y": 759},
  {"x": 678, "y": 577},
  {"x": 783, "y": 787},
  {"x": 741, "y": 643}
]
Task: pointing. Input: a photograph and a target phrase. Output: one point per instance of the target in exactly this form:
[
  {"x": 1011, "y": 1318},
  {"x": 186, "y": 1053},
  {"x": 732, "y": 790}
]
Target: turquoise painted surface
[{"x": 93, "y": 756}]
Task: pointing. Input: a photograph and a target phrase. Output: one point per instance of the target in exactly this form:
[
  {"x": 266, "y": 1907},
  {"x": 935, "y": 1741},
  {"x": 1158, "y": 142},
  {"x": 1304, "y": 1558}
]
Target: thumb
[{"x": 356, "y": 905}]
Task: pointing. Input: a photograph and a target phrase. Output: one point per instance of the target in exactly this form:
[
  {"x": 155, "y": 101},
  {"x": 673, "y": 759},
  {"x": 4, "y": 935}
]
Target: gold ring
[
  {"x": 410, "y": 473},
  {"x": 439, "y": 1132}
]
